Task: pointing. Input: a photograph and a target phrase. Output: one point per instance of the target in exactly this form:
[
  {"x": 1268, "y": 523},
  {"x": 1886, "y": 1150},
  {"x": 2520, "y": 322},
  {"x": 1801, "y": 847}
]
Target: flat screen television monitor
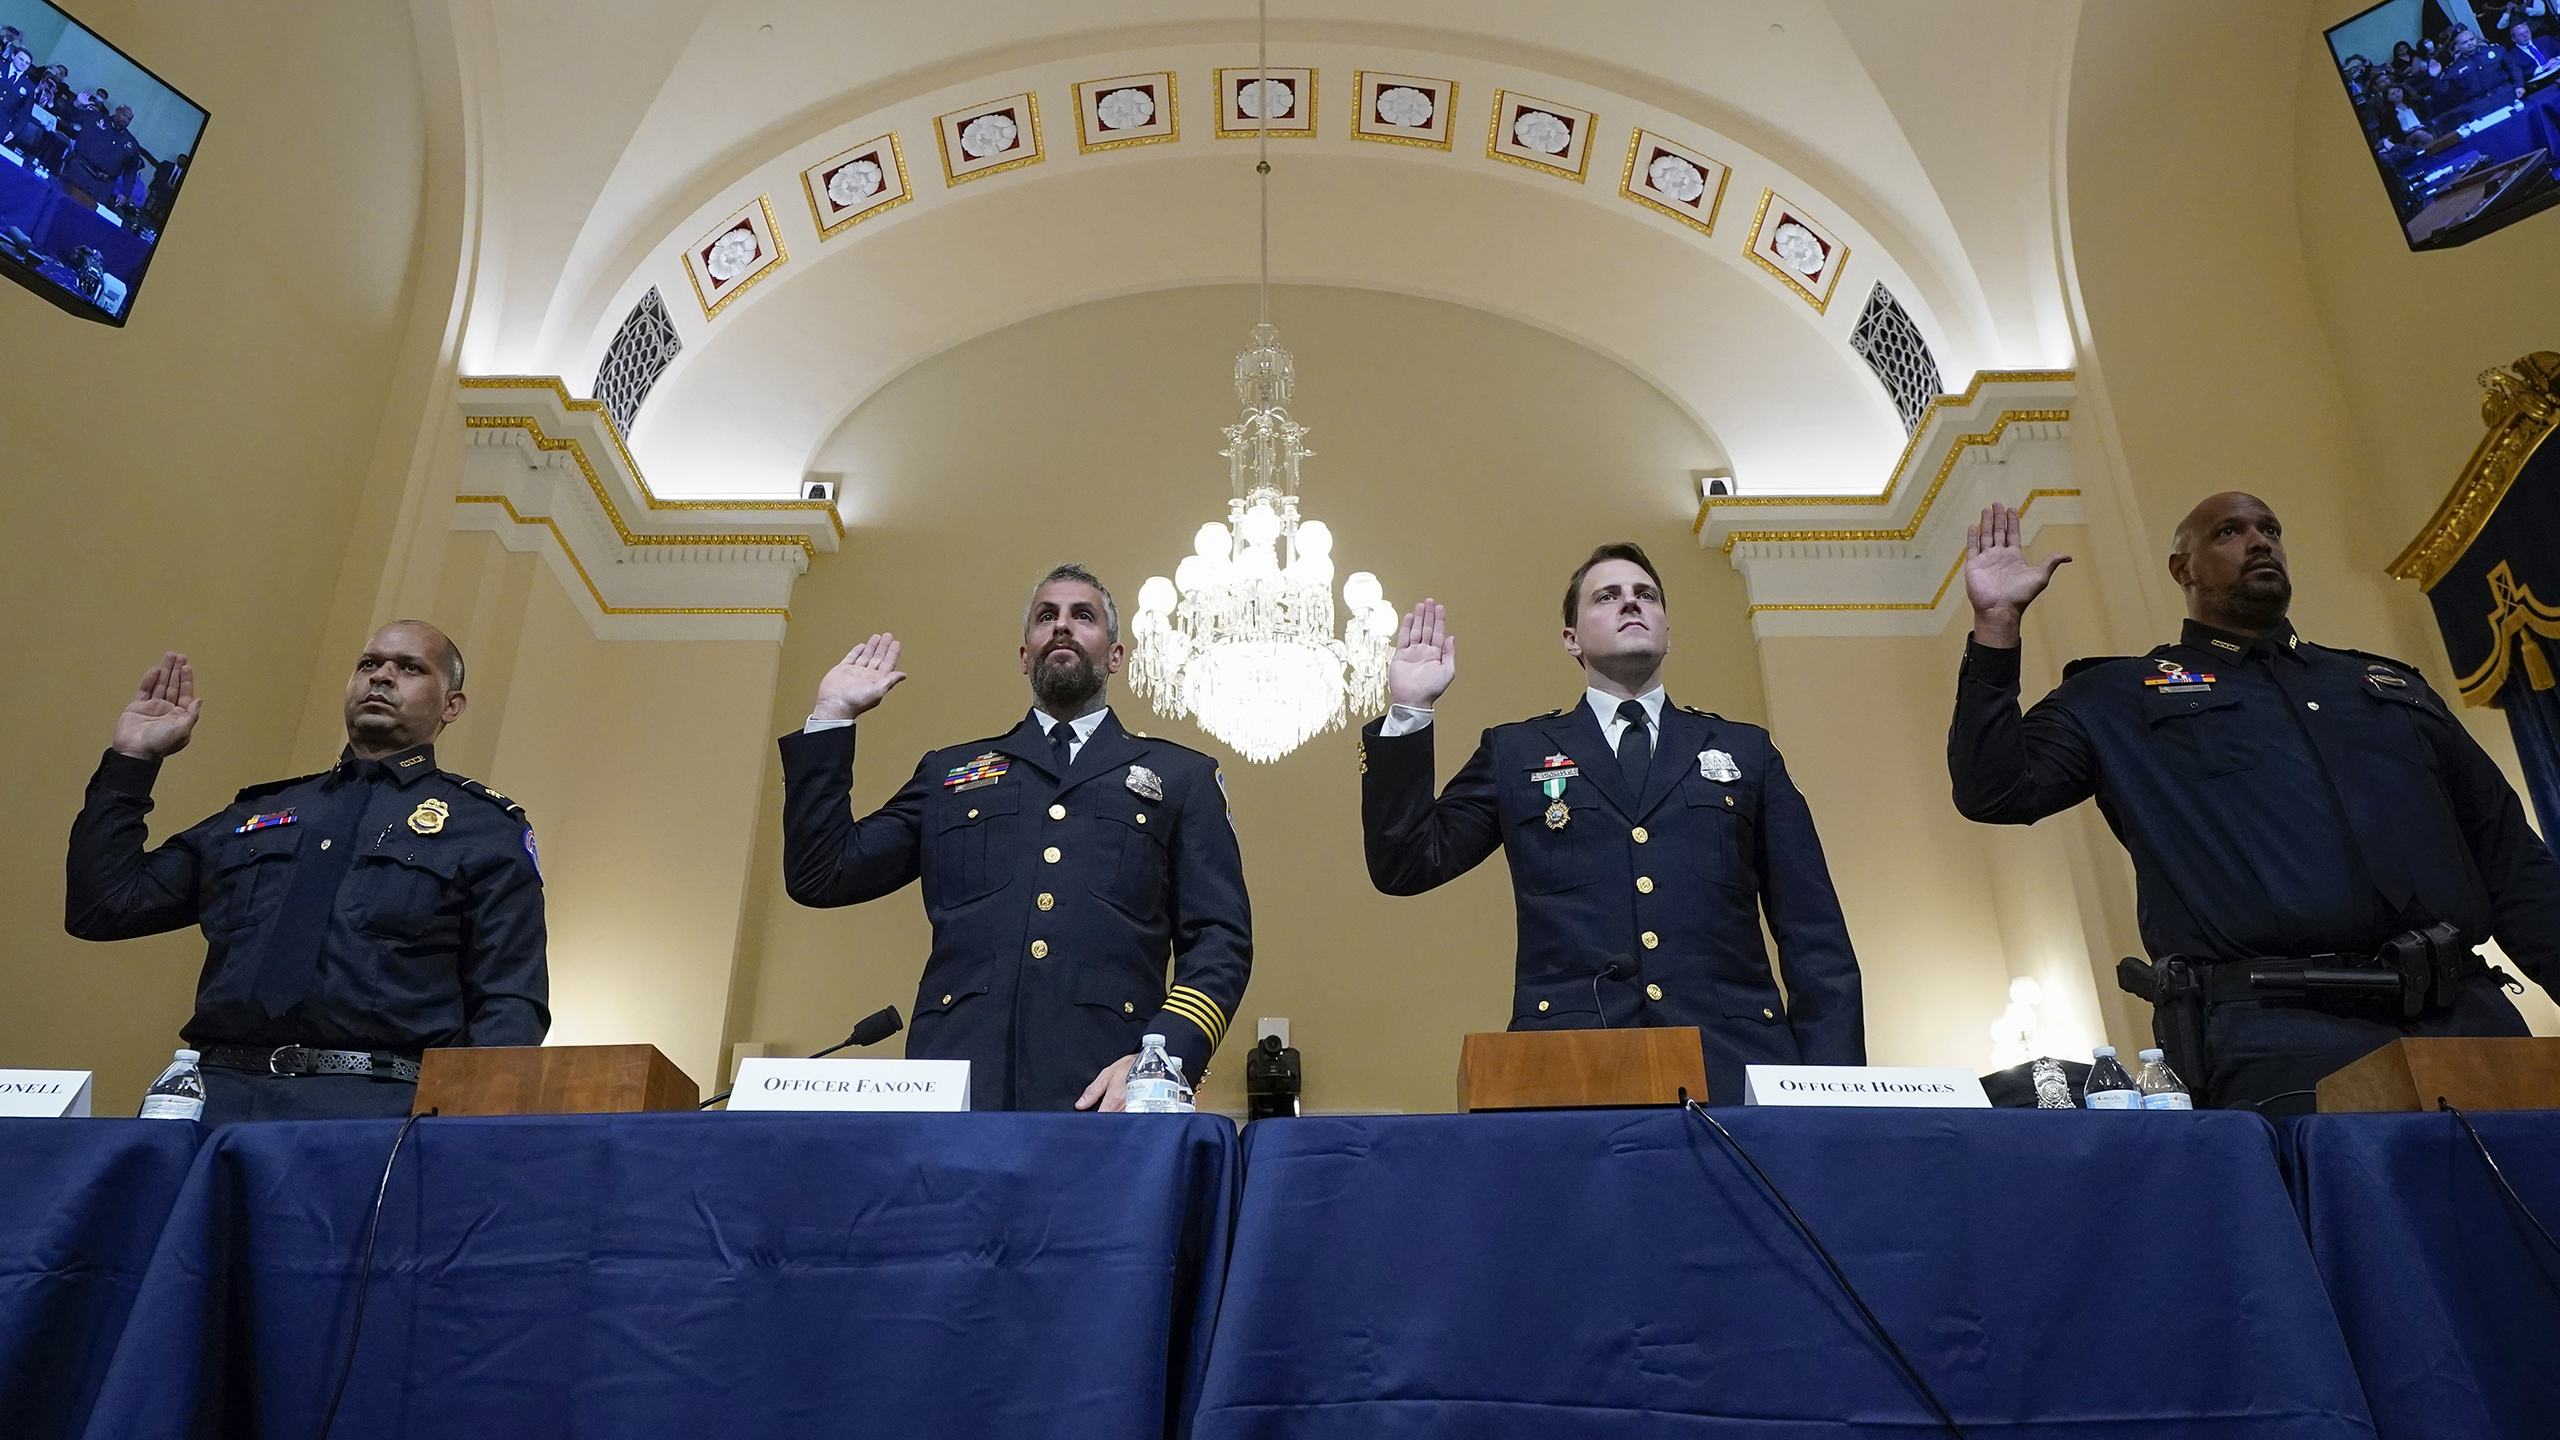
[
  {"x": 93, "y": 151},
  {"x": 2459, "y": 108}
]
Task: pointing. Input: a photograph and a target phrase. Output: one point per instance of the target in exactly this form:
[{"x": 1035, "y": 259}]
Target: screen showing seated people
[
  {"x": 2458, "y": 106},
  {"x": 93, "y": 150}
]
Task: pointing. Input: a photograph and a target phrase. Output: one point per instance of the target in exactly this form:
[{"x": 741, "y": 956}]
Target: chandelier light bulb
[
  {"x": 1156, "y": 597},
  {"x": 1314, "y": 539},
  {"x": 1260, "y": 526},
  {"x": 1362, "y": 592},
  {"x": 1211, "y": 542}
]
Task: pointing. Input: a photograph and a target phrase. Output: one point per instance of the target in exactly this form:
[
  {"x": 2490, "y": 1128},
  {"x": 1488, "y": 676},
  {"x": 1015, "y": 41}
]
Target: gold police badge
[{"x": 428, "y": 818}]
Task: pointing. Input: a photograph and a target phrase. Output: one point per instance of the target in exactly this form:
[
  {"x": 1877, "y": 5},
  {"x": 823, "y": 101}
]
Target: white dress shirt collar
[
  {"x": 1605, "y": 705},
  {"x": 1085, "y": 724}
]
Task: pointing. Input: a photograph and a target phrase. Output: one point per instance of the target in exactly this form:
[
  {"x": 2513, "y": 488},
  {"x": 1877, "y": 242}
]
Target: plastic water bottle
[
  {"x": 2109, "y": 1088},
  {"x": 1182, "y": 1096},
  {"x": 1155, "y": 1082},
  {"x": 179, "y": 1092},
  {"x": 2160, "y": 1086}
]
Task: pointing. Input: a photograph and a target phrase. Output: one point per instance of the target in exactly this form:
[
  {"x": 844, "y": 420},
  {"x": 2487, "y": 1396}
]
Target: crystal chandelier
[{"x": 1242, "y": 637}]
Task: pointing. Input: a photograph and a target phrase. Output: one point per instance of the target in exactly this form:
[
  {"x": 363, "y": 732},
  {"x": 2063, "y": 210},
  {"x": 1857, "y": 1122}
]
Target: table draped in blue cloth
[
  {"x": 81, "y": 1205},
  {"x": 2449, "y": 1298},
  {"x": 630, "y": 1276},
  {"x": 1620, "y": 1274}
]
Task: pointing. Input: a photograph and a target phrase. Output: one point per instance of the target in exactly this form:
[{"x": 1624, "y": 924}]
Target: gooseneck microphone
[
  {"x": 874, "y": 1028},
  {"x": 1616, "y": 969}
]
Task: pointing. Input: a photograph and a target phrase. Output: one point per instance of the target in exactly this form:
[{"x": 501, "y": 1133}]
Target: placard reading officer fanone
[
  {"x": 1873, "y": 1086},
  {"x": 879, "y": 1085}
]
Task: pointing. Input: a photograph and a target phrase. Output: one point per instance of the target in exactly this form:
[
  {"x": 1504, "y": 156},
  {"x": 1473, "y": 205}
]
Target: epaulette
[
  {"x": 272, "y": 786},
  {"x": 1550, "y": 715},
  {"x": 474, "y": 787},
  {"x": 2369, "y": 655},
  {"x": 2090, "y": 662},
  {"x": 1701, "y": 714}
]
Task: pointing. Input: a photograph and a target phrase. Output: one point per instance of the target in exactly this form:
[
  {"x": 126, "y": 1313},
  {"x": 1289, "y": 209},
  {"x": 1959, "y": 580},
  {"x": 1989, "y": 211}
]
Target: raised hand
[
  {"x": 867, "y": 672},
  {"x": 1425, "y": 660},
  {"x": 1999, "y": 578},
  {"x": 162, "y": 718}
]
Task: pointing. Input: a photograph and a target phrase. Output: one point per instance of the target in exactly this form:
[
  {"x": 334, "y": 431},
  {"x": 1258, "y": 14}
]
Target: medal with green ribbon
[{"x": 1551, "y": 776}]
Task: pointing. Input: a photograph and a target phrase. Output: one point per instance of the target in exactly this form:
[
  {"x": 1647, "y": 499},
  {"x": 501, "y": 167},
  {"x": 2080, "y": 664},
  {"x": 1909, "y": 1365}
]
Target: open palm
[
  {"x": 866, "y": 673},
  {"x": 1425, "y": 660},
  {"x": 1998, "y": 577},
  {"x": 162, "y": 718}
]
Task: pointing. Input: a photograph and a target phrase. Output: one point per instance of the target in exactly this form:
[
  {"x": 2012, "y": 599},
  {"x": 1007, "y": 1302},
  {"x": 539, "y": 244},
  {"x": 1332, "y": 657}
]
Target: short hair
[
  {"x": 450, "y": 662},
  {"x": 1626, "y": 550},
  {"x": 1073, "y": 571}
]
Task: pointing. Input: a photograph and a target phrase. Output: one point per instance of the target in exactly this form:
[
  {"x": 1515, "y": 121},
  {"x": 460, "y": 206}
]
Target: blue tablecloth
[
  {"x": 81, "y": 1205},
  {"x": 1619, "y": 1273},
  {"x": 631, "y": 1276},
  {"x": 2449, "y": 1300}
]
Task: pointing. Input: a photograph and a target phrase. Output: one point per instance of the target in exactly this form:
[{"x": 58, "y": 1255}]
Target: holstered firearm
[{"x": 2176, "y": 993}]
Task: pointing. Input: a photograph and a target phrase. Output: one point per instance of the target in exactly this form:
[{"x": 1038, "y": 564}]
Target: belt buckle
[{"x": 271, "y": 1062}]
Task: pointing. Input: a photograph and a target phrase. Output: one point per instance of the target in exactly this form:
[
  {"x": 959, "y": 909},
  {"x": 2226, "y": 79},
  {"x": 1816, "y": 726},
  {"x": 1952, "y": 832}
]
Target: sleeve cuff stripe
[
  {"x": 1215, "y": 1010},
  {"x": 1190, "y": 1010}
]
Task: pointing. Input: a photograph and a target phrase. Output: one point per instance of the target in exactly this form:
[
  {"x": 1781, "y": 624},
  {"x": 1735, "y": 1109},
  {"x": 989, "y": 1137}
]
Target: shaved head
[
  {"x": 2228, "y": 555},
  {"x": 439, "y": 644},
  {"x": 2208, "y": 510}
]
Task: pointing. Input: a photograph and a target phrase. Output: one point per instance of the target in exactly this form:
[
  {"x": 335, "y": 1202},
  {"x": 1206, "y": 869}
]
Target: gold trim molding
[
  {"x": 597, "y": 595},
  {"x": 1955, "y": 452},
  {"x": 612, "y": 512},
  {"x": 1932, "y": 602},
  {"x": 2521, "y": 409}
]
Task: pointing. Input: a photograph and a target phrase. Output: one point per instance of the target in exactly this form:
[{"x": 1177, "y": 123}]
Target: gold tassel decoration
[{"x": 2537, "y": 666}]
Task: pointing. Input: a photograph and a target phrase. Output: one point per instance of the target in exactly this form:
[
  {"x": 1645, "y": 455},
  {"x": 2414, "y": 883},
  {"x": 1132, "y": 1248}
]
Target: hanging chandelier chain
[{"x": 1262, "y": 146}]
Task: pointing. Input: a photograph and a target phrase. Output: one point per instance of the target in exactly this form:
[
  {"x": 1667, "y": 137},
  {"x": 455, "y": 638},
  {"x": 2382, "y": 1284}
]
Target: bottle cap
[
  {"x": 2150, "y": 1055},
  {"x": 1155, "y": 1040},
  {"x": 188, "y": 1055},
  {"x": 2105, "y": 1051}
]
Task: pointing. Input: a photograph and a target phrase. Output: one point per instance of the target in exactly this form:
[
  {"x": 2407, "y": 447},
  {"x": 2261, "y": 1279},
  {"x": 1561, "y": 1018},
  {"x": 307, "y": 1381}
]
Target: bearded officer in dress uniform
[
  {"x": 1063, "y": 862},
  {"x": 1646, "y": 840},
  {"x": 355, "y": 917}
]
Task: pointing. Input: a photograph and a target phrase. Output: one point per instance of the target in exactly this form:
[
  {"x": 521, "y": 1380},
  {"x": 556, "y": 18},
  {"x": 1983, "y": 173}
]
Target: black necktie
[
  {"x": 1635, "y": 746},
  {"x": 289, "y": 972},
  {"x": 1062, "y": 739}
]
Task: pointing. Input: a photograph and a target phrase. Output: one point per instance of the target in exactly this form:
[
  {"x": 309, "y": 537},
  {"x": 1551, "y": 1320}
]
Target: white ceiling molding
[
  {"x": 550, "y": 475},
  {"x": 1888, "y": 565}
]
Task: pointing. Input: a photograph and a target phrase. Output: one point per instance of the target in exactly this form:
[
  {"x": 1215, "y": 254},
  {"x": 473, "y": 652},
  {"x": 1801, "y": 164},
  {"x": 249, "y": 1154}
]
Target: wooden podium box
[
  {"x": 1570, "y": 1069},
  {"x": 551, "y": 1080},
  {"x": 2476, "y": 1074}
]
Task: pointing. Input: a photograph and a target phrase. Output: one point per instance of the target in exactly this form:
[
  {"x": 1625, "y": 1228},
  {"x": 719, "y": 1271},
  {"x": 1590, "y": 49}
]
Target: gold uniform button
[
  {"x": 1768, "y": 1014},
  {"x": 1128, "y": 1008},
  {"x": 1542, "y": 1007},
  {"x": 2315, "y": 704},
  {"x": 1644, "y": 884},
  {"x": 1653, "y": 992},
  {"x": 1039, "y": 949},
  {"x": 1142, "y": 819},
  {"x": 1047, "y": 899},
  {"x": 1057, "y": 812},
  {"x": 946, "y": 999},
  {"x": 1728, "y": 800},
  {"x": 1650, "y": 939},
  {"x": 1641, "y": 837},
  {"x": 973, "y": 814},
  {"x": 1050, "y": 854},
  {"x": 324, "y": 844}
]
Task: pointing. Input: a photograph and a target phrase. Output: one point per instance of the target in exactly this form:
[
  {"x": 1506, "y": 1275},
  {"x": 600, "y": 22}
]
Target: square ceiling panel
[
  {"x": 983, "y": 139},
  {"x": 1540, "y": 134},
  {"x": 737, "y": 253},
  {"x": 1797, "y": 249},
  {"x": 856, "y": 184},
  {"x": 1402, "y": 109},
  {"x": 1293, "y": 112},
  {"x": 1668, "y": 176},
  {"x": 1126, "y": 110}
]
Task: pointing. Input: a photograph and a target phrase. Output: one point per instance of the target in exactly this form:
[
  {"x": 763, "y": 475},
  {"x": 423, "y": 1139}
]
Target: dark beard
[
  {"x": 1065, "y": 689},
  {"x": 2260, "y": 603}
]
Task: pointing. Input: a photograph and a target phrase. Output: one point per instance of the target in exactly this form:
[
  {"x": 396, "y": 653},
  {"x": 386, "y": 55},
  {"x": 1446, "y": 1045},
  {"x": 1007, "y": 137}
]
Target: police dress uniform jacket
[
  {"x": 2278, "y": 798},
  {"x": 1641, "y": 909},
  {"x": 1056, "y": 899},
  {"x": 431, "y": 933}
]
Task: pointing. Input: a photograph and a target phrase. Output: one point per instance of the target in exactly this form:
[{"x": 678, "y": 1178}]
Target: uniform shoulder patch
[
  {"x": 271, "y": 787},
  {"x": 2090, "y": 662},
  {"x": 473, "y": 787}
]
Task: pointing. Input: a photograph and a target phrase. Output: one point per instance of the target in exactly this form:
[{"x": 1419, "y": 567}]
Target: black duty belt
[
  {"x": 303, "y": 1060},
  {"x": 2413, "y": 973}
]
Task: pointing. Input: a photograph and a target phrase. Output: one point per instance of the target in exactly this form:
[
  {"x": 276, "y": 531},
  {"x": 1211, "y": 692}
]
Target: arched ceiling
[{"x": 610, "y": 138}]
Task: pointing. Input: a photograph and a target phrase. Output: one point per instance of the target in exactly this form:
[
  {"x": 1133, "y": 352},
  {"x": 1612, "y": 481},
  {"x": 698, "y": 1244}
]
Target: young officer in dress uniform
[
  {"x": 1645, "y": 841},
  {"x": 2300, "y": 818},
  {"x": 1062, "y": 862},
  {"x": 355, "y": 917}
]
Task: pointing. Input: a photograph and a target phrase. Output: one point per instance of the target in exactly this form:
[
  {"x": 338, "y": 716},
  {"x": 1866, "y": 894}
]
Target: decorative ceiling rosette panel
[
  {"x": 1540, "y": 134},
  {"x": 856, "y": 184},
  {"x": 1126, "y": 110},
  {"x": 1245, "y": 91},
  {"x": 1668, "y": 176},
  {"x": 1797, "y": 249},
  {"x": 1403, "y": 109},
  {"x": 983, "y": 139},
  {"x": 738, "y": 252}
]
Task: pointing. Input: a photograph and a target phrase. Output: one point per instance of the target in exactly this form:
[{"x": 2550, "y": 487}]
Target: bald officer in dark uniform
[
  {"x": 2317, "y": 843},
  {"x": 1064, "y": 862},
  {"x": 1646, "y": 840},
  {"x": 355, "y": 918}
]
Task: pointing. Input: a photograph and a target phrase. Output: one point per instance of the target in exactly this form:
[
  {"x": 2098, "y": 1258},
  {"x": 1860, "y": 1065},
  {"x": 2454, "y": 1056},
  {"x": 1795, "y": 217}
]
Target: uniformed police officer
[
  {"x": 1645, "y": 841},
  {"x": 1062, "y": 862},
  {"x": 2298, "y": 816},
  {"x": 355, "y": 917}
]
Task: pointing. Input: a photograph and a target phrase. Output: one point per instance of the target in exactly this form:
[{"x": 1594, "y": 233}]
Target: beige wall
[
  {"x": 1458, "y": 455},
  {"x": 190, "y": 481}
]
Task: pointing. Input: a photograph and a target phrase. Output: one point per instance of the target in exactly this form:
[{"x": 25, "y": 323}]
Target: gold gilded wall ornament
[{"x": 429, "y": 817}]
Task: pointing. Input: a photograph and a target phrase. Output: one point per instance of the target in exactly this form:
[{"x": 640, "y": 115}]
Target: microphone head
[{"x": 878, "y": 1027}]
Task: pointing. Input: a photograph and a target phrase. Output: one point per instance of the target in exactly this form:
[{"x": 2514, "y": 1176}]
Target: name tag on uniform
[
  {"x": 1874, "y": 1087},
  {"x": 45, "y": 1094},
  {"x": 772, "y": 1083}
]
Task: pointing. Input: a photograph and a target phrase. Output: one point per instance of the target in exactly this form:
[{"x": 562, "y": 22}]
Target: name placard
[
  {"x": 45, "y": 1094},
  {"x": 772, "y": 1083},
  {"x": 1916, "y": 1087}
]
